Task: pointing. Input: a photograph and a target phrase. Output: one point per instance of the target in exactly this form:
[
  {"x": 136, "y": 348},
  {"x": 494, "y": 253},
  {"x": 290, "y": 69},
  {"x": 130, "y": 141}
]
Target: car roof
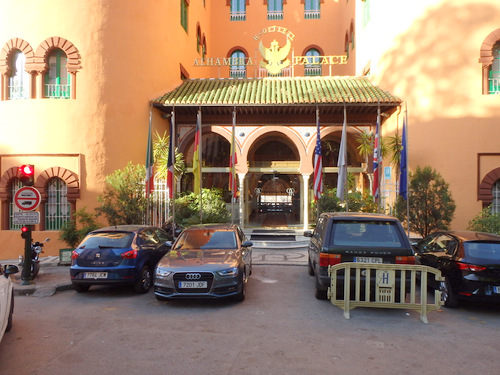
[
  {"x": 123, "y": 228},
  {"x": 221, "y": 226},
  {"x": 467, "y": 235},
  {"x": 358, "y": 216}
]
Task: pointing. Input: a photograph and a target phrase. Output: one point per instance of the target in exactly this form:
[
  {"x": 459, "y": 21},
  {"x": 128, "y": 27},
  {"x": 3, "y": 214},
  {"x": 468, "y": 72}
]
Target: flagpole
[
  {"x": 173, "y": 137},
  {"x": 149, "y": 166},
  {"x": 232, "y": 184},
  {"x": 342, "y": 164},
  {"x": 200, "y": 146},
  {"x": 407, "y": 171}
]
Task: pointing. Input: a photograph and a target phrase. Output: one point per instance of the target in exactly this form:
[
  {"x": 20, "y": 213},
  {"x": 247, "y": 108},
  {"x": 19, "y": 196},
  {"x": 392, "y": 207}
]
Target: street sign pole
[{"x": 26, "y": 273}]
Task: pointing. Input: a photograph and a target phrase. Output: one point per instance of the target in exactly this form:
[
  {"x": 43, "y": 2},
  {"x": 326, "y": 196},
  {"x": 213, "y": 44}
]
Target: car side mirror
[
  {"x": 247, "y": 244},
  {"x": 10, "y": 270}
]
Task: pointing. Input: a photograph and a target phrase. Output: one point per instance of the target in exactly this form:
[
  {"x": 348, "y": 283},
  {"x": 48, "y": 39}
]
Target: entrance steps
[{"x": 277, "y": 239}]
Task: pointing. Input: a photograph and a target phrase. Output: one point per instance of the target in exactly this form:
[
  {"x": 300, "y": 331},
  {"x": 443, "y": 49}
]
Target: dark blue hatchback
[{"x": 123, "y": 254}]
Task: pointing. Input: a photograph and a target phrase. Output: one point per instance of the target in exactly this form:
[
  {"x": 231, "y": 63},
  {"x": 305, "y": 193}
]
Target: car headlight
[
  {"x": 162, "y": 272},
  {"x": 229, "y": 272}
]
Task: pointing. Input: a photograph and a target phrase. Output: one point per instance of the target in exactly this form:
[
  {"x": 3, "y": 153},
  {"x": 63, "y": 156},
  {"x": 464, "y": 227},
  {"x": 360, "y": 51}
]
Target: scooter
[{"x": 36, "y": 249}]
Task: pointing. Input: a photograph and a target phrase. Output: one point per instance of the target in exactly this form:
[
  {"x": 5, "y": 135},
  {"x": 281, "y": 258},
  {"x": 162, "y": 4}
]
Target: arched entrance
[{"x": 273, "y": 182}]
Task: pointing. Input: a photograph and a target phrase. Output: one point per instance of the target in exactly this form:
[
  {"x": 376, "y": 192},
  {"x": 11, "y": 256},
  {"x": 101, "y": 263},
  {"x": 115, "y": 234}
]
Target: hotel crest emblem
[{"x": 275, "y": 57}]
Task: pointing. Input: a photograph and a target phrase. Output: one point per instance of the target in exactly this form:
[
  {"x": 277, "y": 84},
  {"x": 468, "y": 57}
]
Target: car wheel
[
  {"x": 320, "y": 293},
  {"x": 81, "y": 288},
  {"x": 310, "y": 269},
  {"x": 448, "y": 296},
  {"x": 240, "y": 297},
  {"x": 145, "y": 281},
  {"x": 11, "y": 313}
]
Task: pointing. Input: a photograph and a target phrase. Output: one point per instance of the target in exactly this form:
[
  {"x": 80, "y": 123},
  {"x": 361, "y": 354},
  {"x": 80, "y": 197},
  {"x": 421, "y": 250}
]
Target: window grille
[
  {"x": 238, "y": 68},
  {"x": 57, "y": 79},
  {"x": 494, "y": 78},
  {"x": 495, "y": 205},
  {"x": 275, "y": 9},
  {"x": 311, "y": 9},
  {"x": 313, "y": 66},
  {"x": 57, "y": 209},
  {"x": 14, "y": 187}
]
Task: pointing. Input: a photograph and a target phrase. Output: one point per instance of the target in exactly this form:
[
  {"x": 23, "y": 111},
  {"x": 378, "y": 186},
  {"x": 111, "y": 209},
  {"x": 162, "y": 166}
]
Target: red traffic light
[
  {"x": 25, "y": 232},
  {"x": 27, "y": 174}
]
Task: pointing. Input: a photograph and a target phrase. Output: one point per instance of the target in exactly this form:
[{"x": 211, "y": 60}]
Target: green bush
[
  {"x": 356, "y": 202},
  {"x": 187, "y": 208},
  {"x": 485, "y": 221},
  {"x": 73, "y": 231}
]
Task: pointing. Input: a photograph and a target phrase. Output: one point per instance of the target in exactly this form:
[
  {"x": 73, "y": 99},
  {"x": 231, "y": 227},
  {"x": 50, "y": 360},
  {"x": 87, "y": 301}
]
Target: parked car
[
  {"x": 123, "y": 254},
  {"x": 469, "y": 262},
  {"x": 6, "y": 298},
  {"x": 354, "y": 237},
  {"x": 209, "y": 261}
]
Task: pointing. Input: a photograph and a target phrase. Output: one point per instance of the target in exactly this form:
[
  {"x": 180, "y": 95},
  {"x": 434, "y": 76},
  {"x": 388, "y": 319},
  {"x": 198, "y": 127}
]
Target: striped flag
[
  {"x": 403, "y": 176},
  {"x": 318, "y": 163},
  {"x": 342, "y": 161},
  {"x": 377, "y": 159},
  {"x": 232, "y": 161},
  {"x": 171, "y": 158},
  {"x": 197, "y": 156},
  {"x": 150, "y": 173}
]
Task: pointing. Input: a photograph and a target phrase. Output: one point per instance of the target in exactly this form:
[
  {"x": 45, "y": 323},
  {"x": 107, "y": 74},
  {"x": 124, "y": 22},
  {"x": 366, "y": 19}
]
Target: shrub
[
  {"x": 485, "y": 221},
  {"x": 73, "y": 231}
]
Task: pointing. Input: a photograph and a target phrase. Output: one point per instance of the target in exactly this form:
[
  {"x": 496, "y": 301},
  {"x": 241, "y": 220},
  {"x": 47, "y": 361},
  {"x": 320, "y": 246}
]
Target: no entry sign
[{"x": 27, "y": 198}]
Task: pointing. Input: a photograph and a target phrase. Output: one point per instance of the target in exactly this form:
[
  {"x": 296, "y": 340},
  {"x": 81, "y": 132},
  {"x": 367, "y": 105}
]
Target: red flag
[
  {"x": 318, "y": 163},
  {"x": 171, "y": 159},
  {"x": 232, "y": 162}
]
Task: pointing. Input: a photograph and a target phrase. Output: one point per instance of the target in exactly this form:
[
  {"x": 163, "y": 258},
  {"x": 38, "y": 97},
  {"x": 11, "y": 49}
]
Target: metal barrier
[{"x": 385, "y": 290}]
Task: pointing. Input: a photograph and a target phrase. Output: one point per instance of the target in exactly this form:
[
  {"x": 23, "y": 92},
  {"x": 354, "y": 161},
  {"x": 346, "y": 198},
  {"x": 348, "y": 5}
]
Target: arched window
[
  {"x": 494, "y": 74},
  {"x": 313, "y": 66},
  {"x": 274, "y": 9},
  {"x": 15, "y": 185},
  {"x": 57, "y": 79},
  {"x": 238, "y": 10},
  {"x": 57, "y": 208},
  {"x": 238, "y": 67},
  {"x": 312, "y": 9},
  {"x": 19, "y": 79}
]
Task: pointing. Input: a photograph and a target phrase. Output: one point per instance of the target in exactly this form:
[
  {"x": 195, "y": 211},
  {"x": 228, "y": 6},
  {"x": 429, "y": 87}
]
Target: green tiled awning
[
  {"x": 276, "y": 90},
  {"x": 278, "y": 97}
]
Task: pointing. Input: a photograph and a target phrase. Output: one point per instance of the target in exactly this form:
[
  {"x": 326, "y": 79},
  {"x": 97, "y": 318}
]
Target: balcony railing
[
  {"x": 57, "y": 91},
  {"x": 237, "y": 73},
  {"x": 18, "y": 92},
  {"x": 274, "y": 15},
  {"x": 238, "y": 16},
  {"x": 312, "y": 14},
  {"x": 312, "y": 71},
  {"x": 494, "y": 86}
]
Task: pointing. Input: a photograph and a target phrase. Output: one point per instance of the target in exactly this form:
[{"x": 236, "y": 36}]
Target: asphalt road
[{"x": 279, "y": 329}]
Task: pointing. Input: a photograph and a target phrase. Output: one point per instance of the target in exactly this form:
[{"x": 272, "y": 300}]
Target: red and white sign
[{"x": 27, "y": 198}]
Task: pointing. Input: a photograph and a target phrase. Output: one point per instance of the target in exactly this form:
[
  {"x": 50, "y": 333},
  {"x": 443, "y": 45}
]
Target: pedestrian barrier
[{"x": 379, "y": 285}]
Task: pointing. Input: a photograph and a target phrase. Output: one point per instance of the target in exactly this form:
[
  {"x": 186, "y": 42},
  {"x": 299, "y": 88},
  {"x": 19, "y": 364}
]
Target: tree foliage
[
  {"x": 161, "y": 150},
  {"x": 187, "y": 208},
  {"x": 73, "y": 231},
  {"x": 485, "y": 221},
  {"x": 123, "y": 201},
  {"x": 356, "y": 202},
  {"x": 431, "y": 205}
]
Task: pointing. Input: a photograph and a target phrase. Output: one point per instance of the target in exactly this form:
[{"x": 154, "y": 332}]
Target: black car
[
  {"x": 123, "y": 254},
  {"x": 354, "y": 237},
  {"x": 469, "y": 261},
  {"x": 206, "y": 261}
]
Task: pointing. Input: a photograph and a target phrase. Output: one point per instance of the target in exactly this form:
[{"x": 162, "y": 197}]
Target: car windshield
[
  {"x": 206, "y": 239},
  {"x": 365, "y": 234},
  {"x": 482, "y": 251},
  {"x": 115, "y": 240}
]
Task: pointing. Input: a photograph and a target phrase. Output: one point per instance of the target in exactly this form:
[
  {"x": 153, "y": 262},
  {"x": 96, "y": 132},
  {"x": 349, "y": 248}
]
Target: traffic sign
[
  {"x": 27, "y": 198},
  {"x": 27, "y": 218}
]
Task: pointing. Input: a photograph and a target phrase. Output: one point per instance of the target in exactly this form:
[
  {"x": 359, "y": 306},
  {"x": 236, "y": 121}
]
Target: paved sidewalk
[{"x": 53, "y": 278}]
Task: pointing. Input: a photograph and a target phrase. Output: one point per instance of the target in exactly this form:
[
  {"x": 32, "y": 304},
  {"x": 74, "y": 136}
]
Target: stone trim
[{"x": 486, "y": 186}]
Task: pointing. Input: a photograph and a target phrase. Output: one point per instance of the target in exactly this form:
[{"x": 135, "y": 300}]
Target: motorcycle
[{"x": 36, "y": 250}]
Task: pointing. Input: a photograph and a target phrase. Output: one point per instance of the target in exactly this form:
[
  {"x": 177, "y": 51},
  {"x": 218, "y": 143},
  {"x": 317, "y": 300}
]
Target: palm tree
[
  {"x": 394, "y": 144},
  {"x": 161, "y": 149}
]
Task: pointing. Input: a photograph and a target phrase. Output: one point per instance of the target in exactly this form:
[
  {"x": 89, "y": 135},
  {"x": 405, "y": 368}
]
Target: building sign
[{"x": 275, "y": 57}]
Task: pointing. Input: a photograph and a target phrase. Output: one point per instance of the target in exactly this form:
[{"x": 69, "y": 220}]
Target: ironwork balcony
[
  {"x": 238, "y": 16},
  {"x": 494, "y": 86},
  {"x": 312, "y": 14},
  {"x": 237, "y": 73},
  {"x": 312, "y": 71},
  {"x": 57, "y": 91},
  {"x": 274, "y": 15},
  {"x": 18, "y": 92}
]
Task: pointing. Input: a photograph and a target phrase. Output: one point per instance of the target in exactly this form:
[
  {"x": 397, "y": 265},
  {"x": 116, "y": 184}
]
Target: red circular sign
[{"x": 27, "y": 198}]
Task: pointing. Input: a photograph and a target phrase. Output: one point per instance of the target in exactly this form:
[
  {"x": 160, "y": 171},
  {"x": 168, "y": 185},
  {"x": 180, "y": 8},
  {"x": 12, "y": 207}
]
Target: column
[
  {"x": 241, "y": 178},
  {"x": 305, "y": 200}
]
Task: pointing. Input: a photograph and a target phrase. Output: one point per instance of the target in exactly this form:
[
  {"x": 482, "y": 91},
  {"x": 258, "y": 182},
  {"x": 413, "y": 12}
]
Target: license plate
[
  {"x": 192, "y": 284},
  {"x": 368, "y": 260},
  {"x": 96, "y": 275},
  {"x": 496, "y": 289}
]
